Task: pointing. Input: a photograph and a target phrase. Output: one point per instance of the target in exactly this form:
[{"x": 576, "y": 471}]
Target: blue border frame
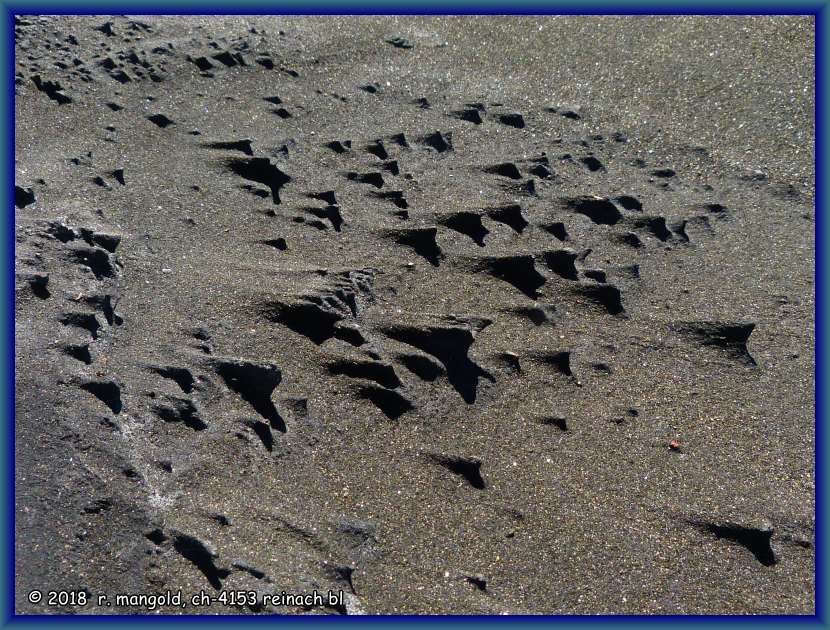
[
  {"x": 448, "y": 7},
  {"x": 819, "y": 9},
  {"x": 820, "y": 312}
]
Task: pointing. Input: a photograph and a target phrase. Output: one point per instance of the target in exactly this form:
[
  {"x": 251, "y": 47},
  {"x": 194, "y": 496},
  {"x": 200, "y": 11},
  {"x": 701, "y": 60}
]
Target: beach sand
[{"x": 473, "y": 315}]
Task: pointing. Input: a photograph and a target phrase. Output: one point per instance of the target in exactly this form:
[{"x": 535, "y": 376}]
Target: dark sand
[{"x": 551, "y": 353}]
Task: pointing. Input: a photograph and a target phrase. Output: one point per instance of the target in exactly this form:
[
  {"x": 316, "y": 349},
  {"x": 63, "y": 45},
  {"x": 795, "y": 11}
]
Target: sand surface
[{"x": 455, "y": 315}]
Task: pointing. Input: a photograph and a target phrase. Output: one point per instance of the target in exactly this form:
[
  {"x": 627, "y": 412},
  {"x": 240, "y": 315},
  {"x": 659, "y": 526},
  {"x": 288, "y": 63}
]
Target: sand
[{"x": 475, "y": 315}]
